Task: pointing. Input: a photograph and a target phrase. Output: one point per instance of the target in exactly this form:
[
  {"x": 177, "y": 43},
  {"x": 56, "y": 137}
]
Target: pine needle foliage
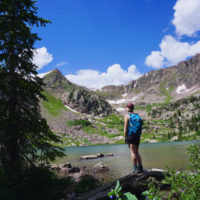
[{"x": 25, "y": 137}]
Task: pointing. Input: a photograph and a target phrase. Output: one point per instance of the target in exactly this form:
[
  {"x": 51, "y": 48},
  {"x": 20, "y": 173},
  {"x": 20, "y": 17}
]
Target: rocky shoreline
[
  {"x": 77, "y": 173},
  {"x": 135, "y": 183}
]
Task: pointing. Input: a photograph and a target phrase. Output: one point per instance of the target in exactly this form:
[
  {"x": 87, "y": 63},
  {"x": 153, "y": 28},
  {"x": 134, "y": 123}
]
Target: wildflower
[
  {"x": 147, "y": 197},
  {"x": 111, "y": 196}
]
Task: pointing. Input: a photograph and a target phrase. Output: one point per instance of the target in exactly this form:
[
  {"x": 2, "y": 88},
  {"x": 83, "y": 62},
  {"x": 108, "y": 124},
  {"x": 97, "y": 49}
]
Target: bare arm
[{"x": 126, "y": 120}]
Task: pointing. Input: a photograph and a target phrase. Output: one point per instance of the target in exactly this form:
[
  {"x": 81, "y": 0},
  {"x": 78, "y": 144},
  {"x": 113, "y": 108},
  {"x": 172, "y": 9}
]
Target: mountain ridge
[
  {"x": 157, "y": 85},
  {"x": 155, "y": 95},
  {"x": 76, "y": 97}
]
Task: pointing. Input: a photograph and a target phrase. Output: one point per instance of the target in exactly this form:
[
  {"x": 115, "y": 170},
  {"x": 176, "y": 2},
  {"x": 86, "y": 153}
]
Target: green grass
[
  {"x": 112, "y": 121},
  {"x": 148, "y": 107},
  {"x": 137, "y": 91},
  {"x": 68, "y": 141},
  {"x": 107, "y": 95},
  {"x": 100, "y": 131},
  {"x": 53, "y": 105},
  {"x": 166, "y": 92},
  {"x": 76, "y": 122},
  {"x": 90, "y": 130}
]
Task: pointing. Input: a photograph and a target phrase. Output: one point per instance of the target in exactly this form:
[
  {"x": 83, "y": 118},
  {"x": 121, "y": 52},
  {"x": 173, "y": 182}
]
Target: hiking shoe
[
  {"x": 140, "y": 169},
  {"x": 135, "y": 170}
]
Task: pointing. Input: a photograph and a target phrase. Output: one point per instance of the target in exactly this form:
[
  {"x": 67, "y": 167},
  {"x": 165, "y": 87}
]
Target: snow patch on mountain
[
  {"x": 120, "y": 101},
  {"x": 123, "y": 95},
  {"x": 71, "y": 109},
  {"x": 181, "y": 89},
  {"x": 120, "y": 109}
]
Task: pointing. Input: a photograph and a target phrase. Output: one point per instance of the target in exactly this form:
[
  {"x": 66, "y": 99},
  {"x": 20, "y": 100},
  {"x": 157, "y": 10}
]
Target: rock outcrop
[
  {"x": 88, "y": 102},
  {"x": 76, "y": 97}
]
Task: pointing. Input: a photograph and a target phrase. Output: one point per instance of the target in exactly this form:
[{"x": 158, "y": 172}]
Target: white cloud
[
  {"x": 44, "y": 74},
  {"x": 171, "y": 52},
  {"x": 42, "y": 57},
  {"x": 155, "y": 59},
  {"x": 114, "y": 75},
  {"x": 61, "y": 64},
  {"x": 186, "y": 17}
]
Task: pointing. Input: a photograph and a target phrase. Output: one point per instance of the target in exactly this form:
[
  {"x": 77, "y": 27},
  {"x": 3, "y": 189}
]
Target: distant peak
[{"x": 56, "y": 70}]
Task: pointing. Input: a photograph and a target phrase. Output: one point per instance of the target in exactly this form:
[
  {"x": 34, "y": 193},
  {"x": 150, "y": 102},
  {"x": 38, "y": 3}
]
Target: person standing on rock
[{"x": 132, "y": 132}]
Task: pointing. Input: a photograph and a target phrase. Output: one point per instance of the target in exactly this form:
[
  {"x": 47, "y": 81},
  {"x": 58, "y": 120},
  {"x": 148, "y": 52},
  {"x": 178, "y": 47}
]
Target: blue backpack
[{"x": 135, "y": 125}]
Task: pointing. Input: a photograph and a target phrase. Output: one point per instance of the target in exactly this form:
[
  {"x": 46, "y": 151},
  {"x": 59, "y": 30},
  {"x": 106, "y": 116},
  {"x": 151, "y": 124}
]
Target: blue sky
[{"x": 115, "y": 41}]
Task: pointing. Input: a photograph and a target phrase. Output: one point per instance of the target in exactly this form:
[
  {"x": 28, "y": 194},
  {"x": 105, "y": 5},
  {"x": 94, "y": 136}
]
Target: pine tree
[{"x": 25, "y": 137}]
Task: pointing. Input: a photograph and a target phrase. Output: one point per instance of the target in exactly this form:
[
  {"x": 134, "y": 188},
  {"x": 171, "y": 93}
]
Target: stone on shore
[
  {"x": 95, "y": 156},
  {"x": 100, "y": 155},
  {"x": 68, "y": 165},
  {"x": 89, "y": 157},
  {"x": 174, "y": 138},
  {"x": 100, "y": 167},
  {"x": 74, "y": 170},
  {"x": 109, "y": 154},
  {"x": 69, "y": 170}
]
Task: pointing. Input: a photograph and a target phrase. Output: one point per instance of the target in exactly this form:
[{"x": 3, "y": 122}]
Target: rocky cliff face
[
  {"x": 156, "y": 84},
  {"x": 88, "y": 102},
  {"x": 187, "y": 72},
  {"x": 76, "y": 97}
]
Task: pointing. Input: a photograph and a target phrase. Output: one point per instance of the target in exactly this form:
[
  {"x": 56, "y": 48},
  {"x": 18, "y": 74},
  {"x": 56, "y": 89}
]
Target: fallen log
[{"x": 130, "y": 181}]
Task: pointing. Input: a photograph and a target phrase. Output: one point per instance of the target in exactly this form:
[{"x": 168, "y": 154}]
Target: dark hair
[{"x": 130, "y": 106}]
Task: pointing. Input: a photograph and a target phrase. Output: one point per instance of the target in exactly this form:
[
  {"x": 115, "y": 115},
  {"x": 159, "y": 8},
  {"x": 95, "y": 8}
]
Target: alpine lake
[{"x": 154, "y": 155}]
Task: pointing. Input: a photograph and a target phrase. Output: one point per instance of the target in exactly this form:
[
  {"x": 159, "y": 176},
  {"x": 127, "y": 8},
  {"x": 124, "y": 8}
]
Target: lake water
[{"x": 154, "y": 155}]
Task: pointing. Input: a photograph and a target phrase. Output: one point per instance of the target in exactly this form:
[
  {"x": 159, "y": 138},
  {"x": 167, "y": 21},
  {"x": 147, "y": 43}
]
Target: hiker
[{"x": 132, "y": 132}]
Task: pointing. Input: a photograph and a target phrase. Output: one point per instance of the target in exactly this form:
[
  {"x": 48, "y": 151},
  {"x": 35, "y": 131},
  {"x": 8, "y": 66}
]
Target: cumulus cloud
[
  {"x": 42, "y": 57},
  {"x": 114, "y": 75},
  {"x": 171, "y": 52},
  {"x": 155, "y": 59},
  {"x": 173, "y": 49},
  {"x": 61, "y": 64},
  {"x": 186, "y": 17}
]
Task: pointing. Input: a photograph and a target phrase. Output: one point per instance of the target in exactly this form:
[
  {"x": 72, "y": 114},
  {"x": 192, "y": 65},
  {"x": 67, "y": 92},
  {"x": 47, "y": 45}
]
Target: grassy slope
[
  {"x": 101, "y": 126},
  {"x": 155, "y": 129},
  {"x": 53, "y": 105}
]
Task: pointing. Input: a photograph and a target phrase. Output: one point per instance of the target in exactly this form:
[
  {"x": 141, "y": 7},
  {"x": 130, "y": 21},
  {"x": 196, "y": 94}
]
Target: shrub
[
  {"x": 185, "y": 185},
  {"x": 87, "y": 183},
  {"x": 117, "y": 194},
  {"x": 33, "y": 183}
]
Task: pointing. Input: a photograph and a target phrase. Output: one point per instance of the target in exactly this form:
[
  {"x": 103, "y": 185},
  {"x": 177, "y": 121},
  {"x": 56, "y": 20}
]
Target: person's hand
[{"x": 125, "y": 137}]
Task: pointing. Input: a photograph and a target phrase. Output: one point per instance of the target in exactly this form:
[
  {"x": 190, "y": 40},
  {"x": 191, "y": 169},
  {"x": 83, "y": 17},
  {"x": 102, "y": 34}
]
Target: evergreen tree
[
  {"x": 25, "y": 137},
  {"x": 171, "y": 123}
]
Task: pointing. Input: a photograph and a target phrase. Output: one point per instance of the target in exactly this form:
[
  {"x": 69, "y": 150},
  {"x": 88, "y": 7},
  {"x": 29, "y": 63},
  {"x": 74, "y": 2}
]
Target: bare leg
[{"x": 135, "y": 156}]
